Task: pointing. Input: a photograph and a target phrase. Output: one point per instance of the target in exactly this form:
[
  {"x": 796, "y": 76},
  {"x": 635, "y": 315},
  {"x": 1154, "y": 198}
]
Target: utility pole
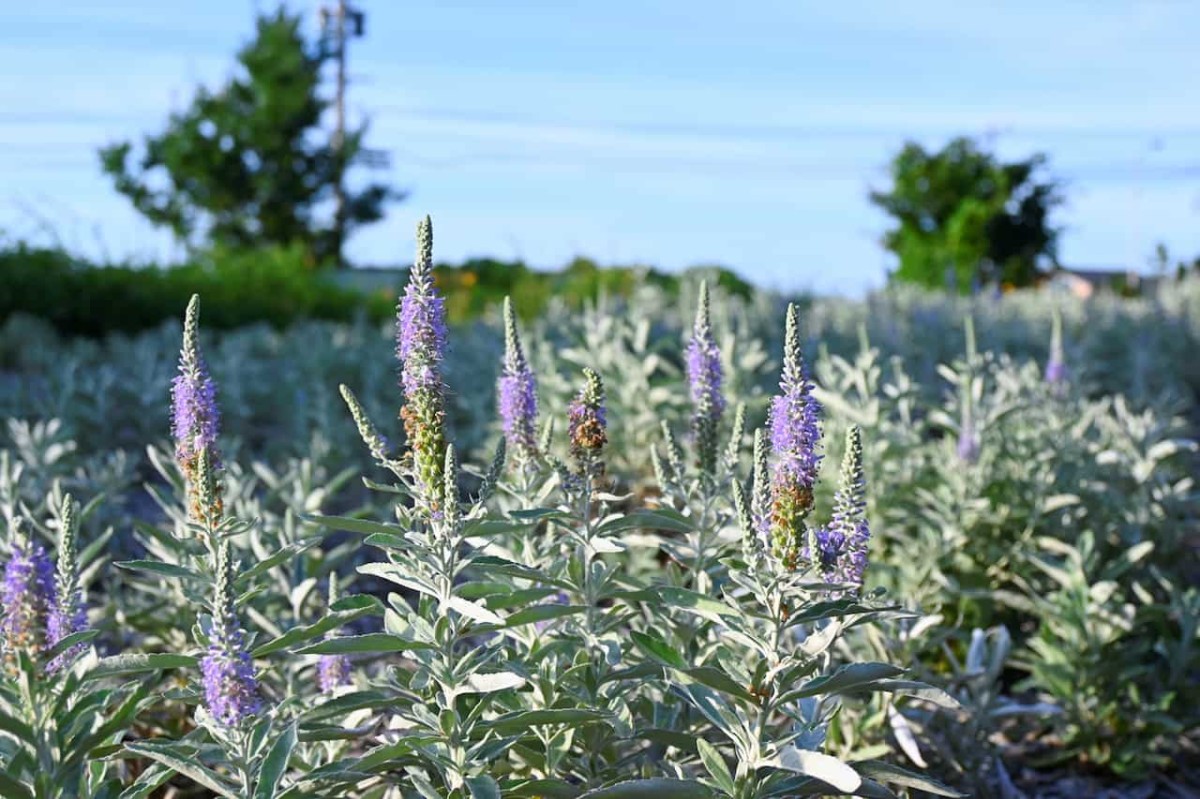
[{"x": 338, "y": 23}]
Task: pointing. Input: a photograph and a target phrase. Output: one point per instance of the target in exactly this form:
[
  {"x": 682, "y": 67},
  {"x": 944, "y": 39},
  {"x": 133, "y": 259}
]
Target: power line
[
  {"x": 338, "y": 24},
  {"x": 780, "y": 130}
]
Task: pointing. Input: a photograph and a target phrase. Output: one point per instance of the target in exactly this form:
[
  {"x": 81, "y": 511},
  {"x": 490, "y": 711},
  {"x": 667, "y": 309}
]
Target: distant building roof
[{"x": 1086, "y": 282}]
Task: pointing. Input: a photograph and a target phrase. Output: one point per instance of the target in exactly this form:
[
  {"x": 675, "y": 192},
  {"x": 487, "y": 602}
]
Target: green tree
[
  {"x": 963, "y": 218},
  {"x": 249, "y": 165}
]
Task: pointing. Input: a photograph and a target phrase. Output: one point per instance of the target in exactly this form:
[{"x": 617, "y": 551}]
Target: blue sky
[{"x": 669, "y": 133}]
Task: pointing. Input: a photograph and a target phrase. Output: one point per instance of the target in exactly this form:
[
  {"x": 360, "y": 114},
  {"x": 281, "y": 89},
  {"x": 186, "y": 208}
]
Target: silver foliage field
[{"x": 318, "y": 602}]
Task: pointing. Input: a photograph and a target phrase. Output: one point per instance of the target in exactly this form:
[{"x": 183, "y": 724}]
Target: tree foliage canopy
[
  {"x": 963, "y": 218},
  {"x": 249, "y": 165}
]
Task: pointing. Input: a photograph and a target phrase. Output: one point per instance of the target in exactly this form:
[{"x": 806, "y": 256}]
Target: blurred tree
[
  {"x": 1160, "y": 262},
  {"x": 248, "y": 165},
  {"x": 965, "y": 219}
]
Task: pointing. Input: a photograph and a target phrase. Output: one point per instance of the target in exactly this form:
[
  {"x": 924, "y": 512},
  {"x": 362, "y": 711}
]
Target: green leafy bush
[{"x": 78, "y": 298}]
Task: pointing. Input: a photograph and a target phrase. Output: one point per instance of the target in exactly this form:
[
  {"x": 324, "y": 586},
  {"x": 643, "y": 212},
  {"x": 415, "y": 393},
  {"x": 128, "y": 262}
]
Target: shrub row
[
  {"x": 279, "y": 287},
  {"x": 80, "y": 298}
]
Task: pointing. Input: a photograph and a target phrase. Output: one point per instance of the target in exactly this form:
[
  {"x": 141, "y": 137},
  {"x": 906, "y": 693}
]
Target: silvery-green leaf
[
  {"x": 527, "y": 719},
  {"x": 888, "y": 773},
  {"x": 499, "y": 681},
  {"x": 823, "y": 767},
  {"x": 345, "y": 611},
  {"x": 658, "y": 649},
  {"x": 474, "y": 611},
  {"x": 347, "y": 524},
  {"x": 137, "y": 663},
  {"x": 186, "y": 766},
  {"x": 850, "y": 677},
  {"x": 274, "y": 764},
  {"x": 651, "y": 789},
  {"x": 905, "y": 737},
  {"x": 483, "y": 787},
  {"x": 362, "y": 644},
  {"x": 606, "y": 546},
  {"x": 714, "y": 763}
]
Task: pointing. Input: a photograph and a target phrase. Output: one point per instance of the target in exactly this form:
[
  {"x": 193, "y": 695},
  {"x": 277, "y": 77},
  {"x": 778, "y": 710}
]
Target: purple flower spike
[
  {"x": 230, "y": 685},
  {"x": 421, "y": 321},
  {"x": 516, "y": 394},
  {"x": 420, "y": 345},
  {"x": 968, "y": 442},
  {"x": 194, "y": 415},
  {"x": 795, "y": 437},
  {"x": 841, "y": 548},
  {"x": 28, "y": 595},
  {"x": 704, "y": 383},
  {"x": 333, "y": 671},
  {"x": 559, "y": 598},
  {"x": 1056, "y": 367},
  {"x": 194, "y": 423},
  {"x": 59, "y": 625}
]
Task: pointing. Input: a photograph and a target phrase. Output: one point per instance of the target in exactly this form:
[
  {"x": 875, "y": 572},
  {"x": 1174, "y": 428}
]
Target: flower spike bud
[
  {"x": 207, "y": 507},
  {"x": 1056, "y": 367},
  {"x": 733, "y": 452},
  {"x": 587, "y": 421},
  {"x": 516, "y": 393},
  {"x": 742, "y": 506},
  {"x": 673, "y": 452},
  {"x": 450, "y": 504},
  {"x": 704, "y": 384},
  {"x": 68, "y": 615},
  {"x": 547, "y": 436},
  {"x": 68, "y": 554},
  {"x": 760, "y": 492},
  {"x": 491, "y": 478},
  {"x": 420, "y": 346},
  {"x": 376, "y": 443},
  {"x": 705, "y": 378},
  {"x": 659, "y": 468},
  {"x": 968, "y": 446}
]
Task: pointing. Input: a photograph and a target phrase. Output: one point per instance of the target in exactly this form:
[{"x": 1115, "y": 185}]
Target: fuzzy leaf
[
  {"x": 658, "y": 649},
  {"x": 186, "y": 766},
  {"x": 9, "y": 787},
  {"x": 157, "y": 567},
  {"x": 821, "y": 766},
  {"x": 886, "y": 772},
  {"x": 524, "y": 720},
  {"x": 138, "y": 663},
  {"x": 846, "y": 678},
  {"x": 651, "y": 789},
  {"x": 483, "y": 787},
  {"x": 374, "y": 643},
  {"x": 347, "y": 610},
  {"x": 542, "y": 613},
  {"x": 275, "y": 763},
  {"x": 715, "y": 765},
  {"x": 474, "y": 611},
  {"x": 349, "y": 525}
]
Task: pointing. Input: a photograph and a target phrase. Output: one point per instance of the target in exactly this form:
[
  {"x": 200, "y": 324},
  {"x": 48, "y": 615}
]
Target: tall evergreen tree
[{"x": 249, "y": 164}]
